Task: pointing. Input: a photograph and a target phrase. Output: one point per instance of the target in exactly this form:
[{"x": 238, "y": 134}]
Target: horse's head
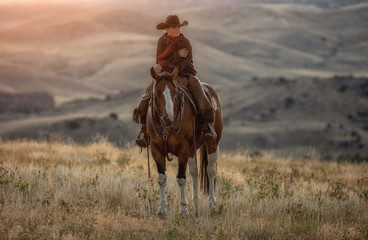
[{"x": 165, "y": 95}]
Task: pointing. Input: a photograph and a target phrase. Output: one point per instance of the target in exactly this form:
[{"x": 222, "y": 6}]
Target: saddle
[
  {"x": 210, "y": 95},
  {"x": 186, "y": 96}
]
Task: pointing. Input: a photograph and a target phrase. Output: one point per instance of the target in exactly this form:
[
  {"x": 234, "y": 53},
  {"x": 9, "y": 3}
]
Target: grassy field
[{"x": 61, "y": 190}]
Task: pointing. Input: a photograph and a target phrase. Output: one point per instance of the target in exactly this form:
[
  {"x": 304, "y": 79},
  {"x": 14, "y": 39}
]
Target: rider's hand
[
  {"x": 183, "y": 52},
  {"x": 158, "y": 68}
]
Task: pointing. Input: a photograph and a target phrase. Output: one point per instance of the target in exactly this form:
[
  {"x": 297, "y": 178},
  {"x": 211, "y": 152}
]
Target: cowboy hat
[{"x": 171, "y": 21}]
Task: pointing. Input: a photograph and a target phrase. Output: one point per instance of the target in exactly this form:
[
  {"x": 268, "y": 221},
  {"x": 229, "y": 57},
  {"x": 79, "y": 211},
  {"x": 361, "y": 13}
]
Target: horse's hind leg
[
  {"x": 211, "y": 171},
  {"x": 193, "y": 169}
]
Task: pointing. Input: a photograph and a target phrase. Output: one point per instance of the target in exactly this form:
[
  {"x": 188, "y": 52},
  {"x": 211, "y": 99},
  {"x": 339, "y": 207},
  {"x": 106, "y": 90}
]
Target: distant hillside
[
  {"x": 278, "y": 113},
  {"x": 13, "y": 13},
  {"x": 82, "y": 52},
  {"x": 283, "y": 40},
  {"x": 27, "y": 103},
  {"x": 81, "y": 130},
  {"x": 295, "y": 115},
  {"x": 319, "y": 3},
  {"x": 273, "y": 65}
]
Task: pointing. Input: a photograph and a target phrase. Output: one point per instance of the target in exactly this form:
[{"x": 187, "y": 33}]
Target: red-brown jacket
[{"x": 184, "y": 64}]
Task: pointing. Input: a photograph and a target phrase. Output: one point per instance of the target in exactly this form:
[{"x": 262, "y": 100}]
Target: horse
[{"x": 172, "y": 127}]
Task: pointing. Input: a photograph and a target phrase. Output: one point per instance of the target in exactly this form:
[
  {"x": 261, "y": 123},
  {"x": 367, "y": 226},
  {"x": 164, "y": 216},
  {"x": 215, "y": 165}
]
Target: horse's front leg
[
  {"x": 161, "y": 167},
  {"x": 181, "y": 179}
]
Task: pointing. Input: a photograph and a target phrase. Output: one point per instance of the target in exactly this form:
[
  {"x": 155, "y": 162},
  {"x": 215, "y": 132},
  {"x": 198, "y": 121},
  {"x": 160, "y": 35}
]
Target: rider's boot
[
  {"x": 139, "y": 116},
  {"x": 209, "y": 131},
  {"x": 142, "y": 140},
  {"x": 141, "y": 110}
]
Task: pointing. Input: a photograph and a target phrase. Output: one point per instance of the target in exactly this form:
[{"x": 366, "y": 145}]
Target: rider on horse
[{"x": 175, "y": 51}]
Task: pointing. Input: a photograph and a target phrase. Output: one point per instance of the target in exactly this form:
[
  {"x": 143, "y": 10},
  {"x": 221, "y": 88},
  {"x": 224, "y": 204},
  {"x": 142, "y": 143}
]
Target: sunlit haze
[
  {"x": 77, "y": 2},
  {"x": 138, "y": 5}
]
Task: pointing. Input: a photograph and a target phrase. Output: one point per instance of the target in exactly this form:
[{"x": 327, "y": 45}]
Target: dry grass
[{"x": 67, "y": 191}]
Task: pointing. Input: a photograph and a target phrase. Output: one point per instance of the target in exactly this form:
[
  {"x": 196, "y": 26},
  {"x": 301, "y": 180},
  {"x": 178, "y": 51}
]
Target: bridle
[
  {"x": 178, "y": 106},
  {"x": 158, "y": 110},
  {"x": 162, "y": 128}
]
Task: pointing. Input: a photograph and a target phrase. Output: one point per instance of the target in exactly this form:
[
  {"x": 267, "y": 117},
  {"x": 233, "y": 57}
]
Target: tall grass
[{"x": 62, "y": 190}]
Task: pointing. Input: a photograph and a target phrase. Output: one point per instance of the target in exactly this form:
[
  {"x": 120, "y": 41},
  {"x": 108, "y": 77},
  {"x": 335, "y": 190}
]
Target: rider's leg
[
  {"x": 204, "y": 107},
  {"x": 142, "y": 140},
  {"x": 139, "y": 116}
]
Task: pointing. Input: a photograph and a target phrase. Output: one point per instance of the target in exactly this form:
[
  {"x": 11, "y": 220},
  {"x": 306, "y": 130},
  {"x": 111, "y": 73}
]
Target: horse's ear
[
  {"x": 154, "y": 73},
  {"x": 174, "y": 73}
]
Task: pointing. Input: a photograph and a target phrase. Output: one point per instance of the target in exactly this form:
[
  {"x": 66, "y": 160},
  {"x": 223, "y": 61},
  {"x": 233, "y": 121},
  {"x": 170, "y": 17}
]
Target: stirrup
[
  {"x": 210, "y": 133},
  {"x": 141, "y": 141}
]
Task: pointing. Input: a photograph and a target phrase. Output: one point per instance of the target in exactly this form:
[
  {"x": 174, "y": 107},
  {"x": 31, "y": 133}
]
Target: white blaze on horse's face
[{"x": 169, "y": 105}]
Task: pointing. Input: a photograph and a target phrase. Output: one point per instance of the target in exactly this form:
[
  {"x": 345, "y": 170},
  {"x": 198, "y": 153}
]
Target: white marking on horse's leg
[
  {"x": 193, "y": 169},
  {"x": 183, "y": 202},
  {"x": 211, "y": 170},
  {"x": 169, "y": 106},
  {"x": 162, "y": 182}
]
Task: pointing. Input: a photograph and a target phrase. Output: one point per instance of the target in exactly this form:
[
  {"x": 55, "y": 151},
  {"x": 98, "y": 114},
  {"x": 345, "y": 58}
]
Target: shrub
[{"x": 114, "y": 116}]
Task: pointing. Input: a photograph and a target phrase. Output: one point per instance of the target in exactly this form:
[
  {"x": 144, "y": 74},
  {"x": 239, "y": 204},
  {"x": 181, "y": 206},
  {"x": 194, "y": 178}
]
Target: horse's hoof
[
  {"x": 196, "y": 209},
  {"x": 184, "y": 212},
  {"x": 161, "y": 213},
  {"x": 212, "y": 204}
]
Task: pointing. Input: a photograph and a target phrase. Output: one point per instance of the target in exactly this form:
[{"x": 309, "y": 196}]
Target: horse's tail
[{"x": 203, "y": 176}]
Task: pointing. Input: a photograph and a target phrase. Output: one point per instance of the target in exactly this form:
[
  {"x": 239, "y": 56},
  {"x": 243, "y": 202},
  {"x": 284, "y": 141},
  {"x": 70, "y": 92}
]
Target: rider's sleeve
[
  {"x": 174, "y": 60},
  {"x": 183, "y": 62}
]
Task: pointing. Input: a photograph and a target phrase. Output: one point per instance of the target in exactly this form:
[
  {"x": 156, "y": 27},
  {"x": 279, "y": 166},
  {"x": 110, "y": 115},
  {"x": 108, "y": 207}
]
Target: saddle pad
[{"x": 210, "y": 95}]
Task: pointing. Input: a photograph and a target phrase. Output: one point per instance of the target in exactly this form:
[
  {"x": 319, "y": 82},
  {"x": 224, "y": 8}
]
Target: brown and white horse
[{"x": 172, "y": 127}]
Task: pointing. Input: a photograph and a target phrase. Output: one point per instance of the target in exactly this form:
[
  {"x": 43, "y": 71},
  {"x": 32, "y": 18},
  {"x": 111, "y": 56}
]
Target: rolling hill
[
  {"x": 78, "y": 52},
  {"x": 286, "y": 115},
  {"x": 273, "y": 65}
]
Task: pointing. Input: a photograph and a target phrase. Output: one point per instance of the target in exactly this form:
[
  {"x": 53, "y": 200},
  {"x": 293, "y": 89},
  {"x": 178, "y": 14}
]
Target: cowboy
[{"x": 175, "y": 51}]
